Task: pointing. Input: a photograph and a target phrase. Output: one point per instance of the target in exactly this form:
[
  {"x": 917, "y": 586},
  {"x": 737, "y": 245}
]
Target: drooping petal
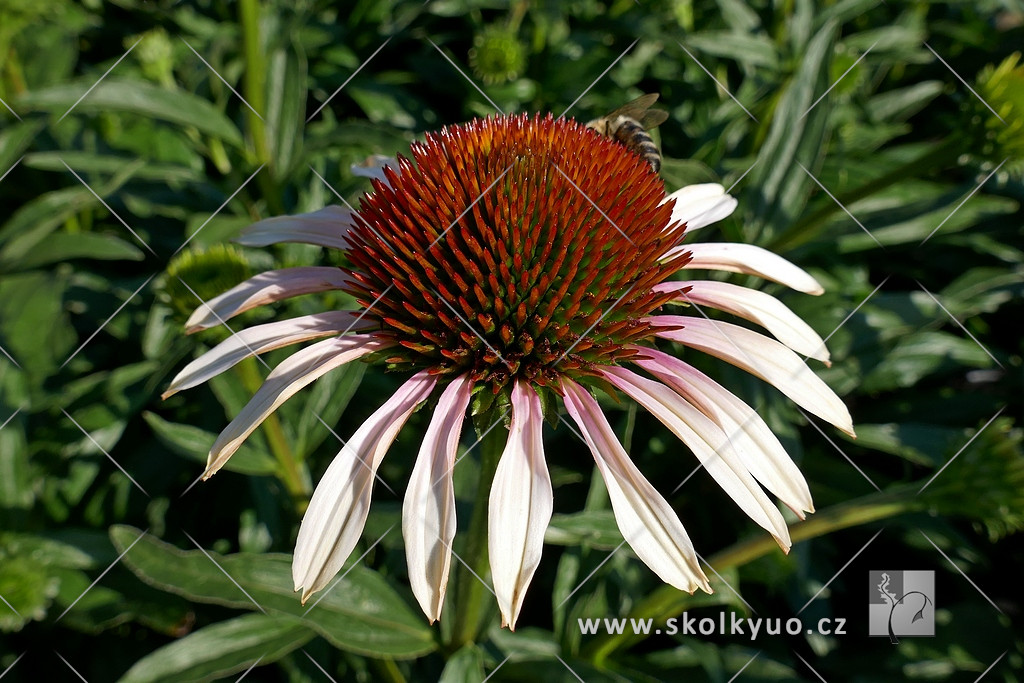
[
  {"x": 644, "y": 517},
  {"x": 337, "y": 512},
  {"x": 758, "y": 447},
  {"x": 265, "y": 288},
  {"x": 756, "y": 306},
  {"x": 708, "y": 442},
  {"x": 428, "y": 512},
  {"x": 520, "y": 505},
  {"x": 260, "y": 339},
  {"x": 763, "y": 357},
  {"x": 701, "y": 205},
  {"x": 327, "y": 227},
  {"x": 287, "y": 378},
  {"x": 750, "y": 260}
]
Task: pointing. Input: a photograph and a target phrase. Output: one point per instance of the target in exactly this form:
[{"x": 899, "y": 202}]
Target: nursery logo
[{"x": 901, "y": 603}]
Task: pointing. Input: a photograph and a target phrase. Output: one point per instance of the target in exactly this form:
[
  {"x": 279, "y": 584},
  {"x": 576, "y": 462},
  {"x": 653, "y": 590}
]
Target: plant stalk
[{"x": 470, "y": 591}]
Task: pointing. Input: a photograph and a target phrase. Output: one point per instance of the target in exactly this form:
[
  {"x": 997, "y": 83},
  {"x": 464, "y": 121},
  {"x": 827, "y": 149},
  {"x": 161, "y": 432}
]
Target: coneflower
[{"x": 520, "y": 263}]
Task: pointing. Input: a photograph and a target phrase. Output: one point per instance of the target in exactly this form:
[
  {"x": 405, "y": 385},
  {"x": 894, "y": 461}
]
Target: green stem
[
  {"x": 388, "y": 670},
  {"x": 804, "y": 230},
  {"x": 293, "y": 473},
  {"x": 255, "y": 88},
  {"x": 470, "y": 590},
  {"x": 666, "y": 602}
]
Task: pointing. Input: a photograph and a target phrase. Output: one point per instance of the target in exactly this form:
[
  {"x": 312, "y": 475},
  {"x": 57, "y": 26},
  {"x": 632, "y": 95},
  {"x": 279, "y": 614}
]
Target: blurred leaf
[
  {"x": 360, "y": 613},
  {"x": 90, "y": 162},
  {"x": 795, "y": 136},
  {"x": 195, "y": 443},
  {"x": 135, "y": 97},
  {"x": 30, "y": 302},
  {"x": 286, "y": 108},
  {"x": 465, "y": 666},
  {"x": 14, "y": 140},
  {"x": 88, "y": 245},
  {"x": 923, "y": 353},
  {"x": 748, "y": 49},
  {"x": 595, "y": 528},
  {"x": 222, "y": 649},
  {"x": 327, "y": 400}
]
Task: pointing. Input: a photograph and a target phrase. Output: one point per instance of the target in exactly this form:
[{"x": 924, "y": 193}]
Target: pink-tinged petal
[
  {"x": 428, "y": 512},
  {"x": 337, "y": 512},
  {"x": 756, "y": 444},
  {"x": 644, "y": 517},
  {"x": 520, "y": 505},
  {"x": 763, "y": 357},
  {"x": 755, "y": 306},
  {"x": 282, "y": 383},
  {"x": 260, "y": 339},
  {"x": 750, "y": 260},
  {"x": 708, "y": 442},
  {"x": 328, "y": 227},
  {"x": 265, "y": 288},
  {"x": 701, "y": 205}
]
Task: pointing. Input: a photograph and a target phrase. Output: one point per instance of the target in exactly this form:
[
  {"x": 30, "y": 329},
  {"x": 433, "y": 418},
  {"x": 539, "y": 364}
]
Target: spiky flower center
[{"x": 514, "y": 247}]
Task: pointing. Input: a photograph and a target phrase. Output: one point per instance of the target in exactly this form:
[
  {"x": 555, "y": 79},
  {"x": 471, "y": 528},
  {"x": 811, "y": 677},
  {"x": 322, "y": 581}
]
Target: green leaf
[
  {"x": 361, "y": 613},
  {"x": 195, "y": 443},
  {"x": 91, "y": 162},
  {"x": 16, "y": 486},
  {"x": 222, "y": 649},
  {"x": 595, "y": 528},
  {"x": 465, "y": 666},
  {"x": 88, "y": 245},
  {"x": 747, "y": 49},
  {"x": 286, "y": 108},
  {"x": 27, "y": 227},
  {"x": 796, "y": 134},
  {"x": 328, "y": 399},
  {"x": 136, "y": 97},
  {"x": 924, "y": 353},
  {"x": 14, "y": 140},
  {"x": 29, "y": 303}
]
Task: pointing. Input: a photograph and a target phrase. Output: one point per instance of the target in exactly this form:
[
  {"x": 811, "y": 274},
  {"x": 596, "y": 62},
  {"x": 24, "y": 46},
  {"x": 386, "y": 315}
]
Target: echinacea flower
[{"x": 517, "y": 263}]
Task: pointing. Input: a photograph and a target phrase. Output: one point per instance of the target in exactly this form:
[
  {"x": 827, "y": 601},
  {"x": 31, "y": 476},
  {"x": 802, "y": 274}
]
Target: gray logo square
[{"x": 901, "y": 603}]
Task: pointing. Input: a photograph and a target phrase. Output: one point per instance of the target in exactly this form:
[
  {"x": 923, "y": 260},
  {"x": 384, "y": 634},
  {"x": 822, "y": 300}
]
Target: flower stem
[
  {"x": 254, "y": 85},
  {"x": 470, "y": 590},
  {"x": 293, "y": 473},
  {"x": 666, "y": 602}
]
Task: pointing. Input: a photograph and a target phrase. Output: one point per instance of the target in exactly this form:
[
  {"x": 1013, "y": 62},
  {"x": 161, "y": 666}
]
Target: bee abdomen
[{"x": 631, "y": 134}]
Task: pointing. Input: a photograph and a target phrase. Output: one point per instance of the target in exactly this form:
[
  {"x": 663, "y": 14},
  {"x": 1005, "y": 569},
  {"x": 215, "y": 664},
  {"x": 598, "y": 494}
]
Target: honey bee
[{"x": 629, "y": 125}]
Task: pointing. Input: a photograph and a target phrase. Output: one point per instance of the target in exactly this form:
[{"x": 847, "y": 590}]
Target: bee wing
[{"x": 640, "y": 111}]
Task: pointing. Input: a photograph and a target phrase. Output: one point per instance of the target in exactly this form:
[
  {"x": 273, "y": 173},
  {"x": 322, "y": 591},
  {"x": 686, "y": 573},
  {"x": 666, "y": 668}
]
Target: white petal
[
  {"x": 327, "y": 227},
  {"x": 285, "y": 380},
  {"x": 701, "y": 205},
  {"x": 644, "y": 517},
  {"x": 520, "y": 505},
  {"x": 264, "y": 288},
  {"x": 763, "y": 357},
  {"x": 428, "y": 512},
  {"x": 708, "y": 442},
  {"x": 750, "y": 260},
  {"x": 756, "y": 306},
  {"x": 758, "y": 448},
  {"x": 337, "y": 512},
  {"x": 260, "y": 339}
]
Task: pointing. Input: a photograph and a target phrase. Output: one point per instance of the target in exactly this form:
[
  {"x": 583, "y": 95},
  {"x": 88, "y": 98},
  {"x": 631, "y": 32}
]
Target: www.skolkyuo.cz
[{"x": 731, "y": 623}]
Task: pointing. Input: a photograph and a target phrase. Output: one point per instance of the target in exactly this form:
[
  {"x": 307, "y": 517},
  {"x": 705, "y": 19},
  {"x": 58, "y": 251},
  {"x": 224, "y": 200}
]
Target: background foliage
[{"x": 117, "y": 194}]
